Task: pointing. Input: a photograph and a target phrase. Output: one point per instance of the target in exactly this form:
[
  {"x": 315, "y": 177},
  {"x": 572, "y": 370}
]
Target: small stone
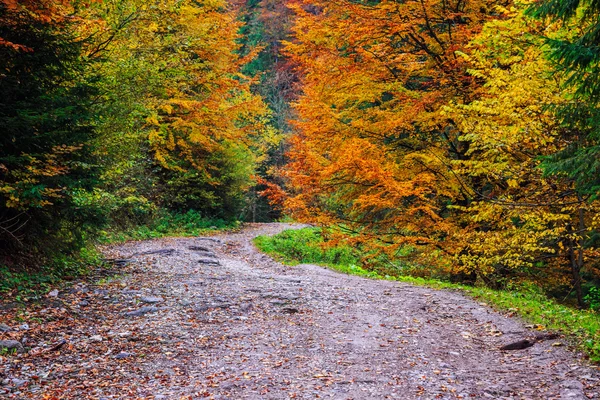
[
  {"x": 199, "y": 248},
  {"x": 83, "y": 289},
  {"x": 288, "y": 279},
  {"x": 573, "y": 385},
  {"x": 122, "y": 355},
  {"x": 131, "y": 292},
  {"x": 11, "y": 345},
  {"x": 24, "y": 327},
  {"x": 141, "y": 311},
  {"x": 209, "y": 261},
  {"x": 519, "y": 345},
  {"x": 18, "y": 382},
  {"x": 84, "y": 303},
  {"x": 152, "y": 299},
  {"x": 96, "y": 338},
  {"x": 5, "y": 328},
  {"x": 53, "y": 293},
  {"x": 119, "y": 262},
  {"x": 571, "y": 394}
]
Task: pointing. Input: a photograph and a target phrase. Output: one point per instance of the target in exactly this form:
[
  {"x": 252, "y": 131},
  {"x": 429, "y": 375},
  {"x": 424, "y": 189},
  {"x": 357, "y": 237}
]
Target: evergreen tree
[
  {"x": 577, "y": 59},
  {"x": 44, "y": 113}
]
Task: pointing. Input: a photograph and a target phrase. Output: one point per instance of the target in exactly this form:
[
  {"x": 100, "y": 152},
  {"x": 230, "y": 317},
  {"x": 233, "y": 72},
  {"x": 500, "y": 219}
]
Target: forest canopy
[
  {"x": 456, "y": 137},
  {"x": 116, "y": 109}
]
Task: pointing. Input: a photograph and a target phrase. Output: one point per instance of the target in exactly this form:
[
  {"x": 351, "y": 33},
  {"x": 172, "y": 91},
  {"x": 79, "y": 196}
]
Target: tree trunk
[
  {"x": 576, "y": 256},
  {"x": 575, "y": 272}
]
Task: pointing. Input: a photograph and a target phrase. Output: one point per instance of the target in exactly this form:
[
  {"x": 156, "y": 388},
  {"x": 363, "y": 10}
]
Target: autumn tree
[
  {"x": 267, "y": 23},
  {"x": 178, "y": 122},
  {"x": 116, "y": 109},
  {"x": 372, "y": 152},
  {"x": 576, "y": 59},
  {"x": 424, "y": 138},
  {"x": 203, "y": 124},
  {"x": 520, "y": 225}
]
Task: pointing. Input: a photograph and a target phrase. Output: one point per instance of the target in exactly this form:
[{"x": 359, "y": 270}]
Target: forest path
[{"x": 213, "y": 318}]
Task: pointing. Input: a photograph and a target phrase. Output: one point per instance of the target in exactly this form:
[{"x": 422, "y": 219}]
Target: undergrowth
[
  {"x": 191, "y": 223},
  {"x": 23, "y": 284},
  {"x": 294, "y": 247}
]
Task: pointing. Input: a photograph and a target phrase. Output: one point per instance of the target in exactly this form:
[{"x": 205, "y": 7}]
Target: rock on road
[{"x": 219, "y": 320}]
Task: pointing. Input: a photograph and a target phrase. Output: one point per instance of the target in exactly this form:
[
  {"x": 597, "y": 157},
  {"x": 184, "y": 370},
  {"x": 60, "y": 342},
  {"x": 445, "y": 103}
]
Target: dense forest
[
  {"x": 454, "y": 139},
  {"x": 119, "y": 113}
]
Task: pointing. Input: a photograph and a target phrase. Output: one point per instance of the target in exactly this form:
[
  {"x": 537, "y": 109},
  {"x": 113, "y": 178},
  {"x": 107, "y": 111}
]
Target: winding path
[{"x": 213, "y": 318}]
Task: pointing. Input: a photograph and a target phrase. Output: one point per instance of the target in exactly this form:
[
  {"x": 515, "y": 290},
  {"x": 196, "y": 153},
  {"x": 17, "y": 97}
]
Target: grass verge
[
  {"x": 294, "y": 247},
  {"x": 20, "y": 284},
  {"x": 23, "y": 284}
]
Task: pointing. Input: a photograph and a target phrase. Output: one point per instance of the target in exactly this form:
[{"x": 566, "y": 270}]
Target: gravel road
[{"x": 213, "y": 318}]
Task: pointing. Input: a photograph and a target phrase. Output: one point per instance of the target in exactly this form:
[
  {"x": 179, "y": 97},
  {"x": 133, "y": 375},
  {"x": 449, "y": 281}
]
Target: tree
[
  {"x": 521, "y": 225},
  {"x": 115, "y": 108},
  {"x": 177, "y": 122},
  {"x": 576, "y": 56},
  {"x": 45, "y": 151},
  {"x": 267, "y": 23},
  {"x": 204, "y": 122},
  {"x": 421, "y": 131},
  {"x": 372, "y": 152}
]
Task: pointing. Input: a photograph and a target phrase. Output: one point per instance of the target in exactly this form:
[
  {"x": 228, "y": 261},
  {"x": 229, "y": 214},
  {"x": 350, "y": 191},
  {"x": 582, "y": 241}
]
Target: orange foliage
[
  {"x": 372, "y": 151},
  {"x": 42, "y": 11},
  {"x": 420, "y": 134},
  {"x": 276, "y": 195}
]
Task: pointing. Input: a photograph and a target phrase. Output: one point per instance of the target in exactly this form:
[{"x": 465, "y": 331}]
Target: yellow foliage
[{"x": 434, "y": 140}]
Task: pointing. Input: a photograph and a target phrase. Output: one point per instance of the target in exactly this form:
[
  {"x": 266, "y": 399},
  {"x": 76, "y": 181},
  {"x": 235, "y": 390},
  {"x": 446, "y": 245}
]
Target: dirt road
[{"x": 213, "y": 318}]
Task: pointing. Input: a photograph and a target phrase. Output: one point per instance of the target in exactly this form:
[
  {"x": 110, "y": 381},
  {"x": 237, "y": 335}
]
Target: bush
[
  {"x": 307, "y": 246},
  {"x": 593, "y": 298}
]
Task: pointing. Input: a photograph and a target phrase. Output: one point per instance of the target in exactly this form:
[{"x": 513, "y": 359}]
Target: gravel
[{"x": 252, "y": 328}]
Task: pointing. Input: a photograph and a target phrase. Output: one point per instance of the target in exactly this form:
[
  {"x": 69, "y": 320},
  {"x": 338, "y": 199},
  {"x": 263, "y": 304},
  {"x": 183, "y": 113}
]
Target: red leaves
[{"x": 275, "y": 193}]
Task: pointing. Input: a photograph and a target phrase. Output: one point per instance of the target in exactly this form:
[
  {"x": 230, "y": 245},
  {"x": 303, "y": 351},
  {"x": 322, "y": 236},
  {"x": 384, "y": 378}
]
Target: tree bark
[{"x": 576, "y": 256}]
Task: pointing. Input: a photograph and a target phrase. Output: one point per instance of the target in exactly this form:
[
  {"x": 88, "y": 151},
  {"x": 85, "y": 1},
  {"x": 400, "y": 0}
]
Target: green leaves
[
  {"x": 577, "y": 58},
  {"x": 116, "y": 109},
  {"x": 45, "y": 112}
]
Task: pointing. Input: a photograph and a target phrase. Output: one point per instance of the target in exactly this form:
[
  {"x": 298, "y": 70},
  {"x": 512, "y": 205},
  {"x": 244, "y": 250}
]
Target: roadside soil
[{"x": 211, "y": 317}]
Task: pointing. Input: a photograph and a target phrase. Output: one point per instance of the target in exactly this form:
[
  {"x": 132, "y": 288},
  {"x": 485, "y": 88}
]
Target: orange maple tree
[{"x": 372, "y": 152}]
